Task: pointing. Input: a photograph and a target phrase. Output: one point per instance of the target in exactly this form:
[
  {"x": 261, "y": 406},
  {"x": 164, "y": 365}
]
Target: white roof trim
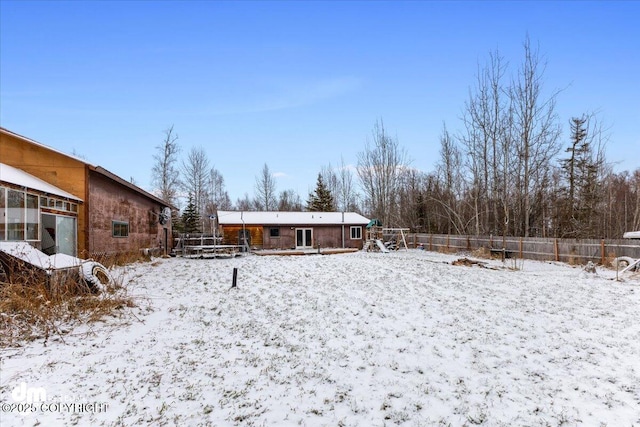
[
  {"x": 19, "y": 177},
  {"x": 290, "y": 218}
]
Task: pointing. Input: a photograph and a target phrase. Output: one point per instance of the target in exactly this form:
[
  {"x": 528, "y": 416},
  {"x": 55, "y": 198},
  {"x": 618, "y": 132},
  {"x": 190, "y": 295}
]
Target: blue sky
[{"x": 297, "y": 85}]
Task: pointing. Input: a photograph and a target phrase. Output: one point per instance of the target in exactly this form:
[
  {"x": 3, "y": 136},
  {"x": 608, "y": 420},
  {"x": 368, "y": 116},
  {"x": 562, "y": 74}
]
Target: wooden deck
[{"x": 323, "y": 251}]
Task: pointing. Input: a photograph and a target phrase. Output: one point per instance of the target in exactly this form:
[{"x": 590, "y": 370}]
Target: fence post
[
  {"x": 555, "y": 249},
  {"x": 520, "y": 249},
  {"x": 430, "y": 242},
  {"x": 602, "y": 254}
]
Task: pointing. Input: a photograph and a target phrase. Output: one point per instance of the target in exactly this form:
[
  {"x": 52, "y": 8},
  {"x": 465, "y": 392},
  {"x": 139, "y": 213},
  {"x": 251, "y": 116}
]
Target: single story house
[
  {"x": 60, "y": 203},
  {"x": 292, "y": 230}
]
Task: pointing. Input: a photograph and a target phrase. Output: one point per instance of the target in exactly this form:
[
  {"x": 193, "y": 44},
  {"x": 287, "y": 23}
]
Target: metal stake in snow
[{"x": 235, "y": 277}]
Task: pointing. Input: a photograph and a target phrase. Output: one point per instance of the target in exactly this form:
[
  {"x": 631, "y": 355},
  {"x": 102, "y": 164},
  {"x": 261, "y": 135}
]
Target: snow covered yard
[{"x": 362, "y": 339}]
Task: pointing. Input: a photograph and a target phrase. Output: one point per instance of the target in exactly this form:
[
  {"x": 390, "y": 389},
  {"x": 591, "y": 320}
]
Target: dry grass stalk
[
  {"x": 34, "y": 305},
  {"x": 482, "y": 252}
]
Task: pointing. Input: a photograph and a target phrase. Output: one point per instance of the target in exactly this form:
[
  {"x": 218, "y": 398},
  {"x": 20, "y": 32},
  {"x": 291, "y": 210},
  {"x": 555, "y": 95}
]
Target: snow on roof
[
  {"x": 290, "y": 218},
  {"x": 19, "y": 177},
  {"x": 631, "y": 235}
]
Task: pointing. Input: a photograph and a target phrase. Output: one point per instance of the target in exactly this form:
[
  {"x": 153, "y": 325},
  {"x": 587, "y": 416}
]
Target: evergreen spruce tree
[
  {"x": 191, "y": 217},
  {"x": 321, "y": 200},
  {"x": 578, "y": 214}
]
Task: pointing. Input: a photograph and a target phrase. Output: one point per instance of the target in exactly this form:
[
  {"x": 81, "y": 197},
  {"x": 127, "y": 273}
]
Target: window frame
[
  {"x": 353, "y": 229},
  {"x": 3, "y": 213},
  {"x": 118, "y": 225}
]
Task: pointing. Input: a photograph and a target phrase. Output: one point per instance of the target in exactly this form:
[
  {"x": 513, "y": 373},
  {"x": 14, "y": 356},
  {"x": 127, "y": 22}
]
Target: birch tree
[
  {"x": 537, "y": 132},
  {"x": 347, "y": 196},
  {"x": 449, "y": 173},
  {"x": 165, "y": 174},
  {"x": 265, "y": 196},
  {"x": 195, "y": 172},
  {"x": 486, "y": 118},
  {"x": 380, "y": 167}
]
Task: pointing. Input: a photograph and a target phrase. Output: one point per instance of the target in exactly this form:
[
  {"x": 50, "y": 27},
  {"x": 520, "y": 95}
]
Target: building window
[
  {"x": 60, "y": 205},
  {"x": 120, "y": 228},
  {"x": 356, "y": 233},
  {"x": 3, "y": 213},
  {"x": 274, "y": 232},
  {"x": 33, "y": 217},
  {"x": 15, "y": 215}
]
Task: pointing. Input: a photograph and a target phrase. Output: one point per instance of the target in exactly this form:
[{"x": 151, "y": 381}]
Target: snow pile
[
  {"x": 361, "y": 339},
  {"x": 27, "y": 253}
]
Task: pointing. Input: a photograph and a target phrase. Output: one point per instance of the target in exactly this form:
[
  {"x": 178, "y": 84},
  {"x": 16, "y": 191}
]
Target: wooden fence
[{"x": 573, "y": 251}]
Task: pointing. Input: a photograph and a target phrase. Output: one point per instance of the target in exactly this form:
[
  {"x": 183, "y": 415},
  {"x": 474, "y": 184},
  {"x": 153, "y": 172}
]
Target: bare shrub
[
  {"x": 34, "y": 305},
  {"x": 482, "y": 252},
  {"x": 112, "y": 259}
]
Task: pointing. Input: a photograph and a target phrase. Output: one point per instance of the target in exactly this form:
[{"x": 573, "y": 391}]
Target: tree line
[{"x": 507, "y": 171}]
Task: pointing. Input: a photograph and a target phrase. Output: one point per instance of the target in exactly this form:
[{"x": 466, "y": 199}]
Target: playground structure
[
  {"x": 383, "y": 239},
  {"x": 203, "y": 246},
  {"x": 626, "y": 264}
]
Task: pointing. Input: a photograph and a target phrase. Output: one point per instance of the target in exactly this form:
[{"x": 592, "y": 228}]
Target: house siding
[
  {"x": 66, "y": 173},
  {"x": 327, "y": 236},
  {"x": 111, "y": 202},
  {"x": 105, "y": 199}
]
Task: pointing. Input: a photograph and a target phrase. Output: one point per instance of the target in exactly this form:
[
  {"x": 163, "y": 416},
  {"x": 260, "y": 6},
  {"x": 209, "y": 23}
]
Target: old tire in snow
[
  {"x": 96, "y": 276},
  {"x": 622, "y": 262}
]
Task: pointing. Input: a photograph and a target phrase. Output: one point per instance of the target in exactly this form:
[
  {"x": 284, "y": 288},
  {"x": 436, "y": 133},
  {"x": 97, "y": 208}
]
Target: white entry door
[{"x": 304, "y": 238}]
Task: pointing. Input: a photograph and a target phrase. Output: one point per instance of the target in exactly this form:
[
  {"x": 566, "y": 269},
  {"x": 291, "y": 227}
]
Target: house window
[
  {"x": 120, "y": 228},
  {"x": 33, "y": 217},
  {"x": 61, "y": 205},
  {"x": 3, "y": 213},
  {"x": 274, "y": 232},
  {"x": 19, "y": 215},
  {"x": 15, "y": 214},
  {"x": 356, "y": 233}
]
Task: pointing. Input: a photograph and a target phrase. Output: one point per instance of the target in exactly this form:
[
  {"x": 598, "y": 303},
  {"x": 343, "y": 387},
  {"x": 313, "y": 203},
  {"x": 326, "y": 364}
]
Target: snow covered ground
[{"x": 361, "y": 339}]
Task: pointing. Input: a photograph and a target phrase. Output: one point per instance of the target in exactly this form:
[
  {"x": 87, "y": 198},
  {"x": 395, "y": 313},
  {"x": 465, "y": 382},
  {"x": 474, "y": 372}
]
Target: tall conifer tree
[{"x": 321, "y": 199}]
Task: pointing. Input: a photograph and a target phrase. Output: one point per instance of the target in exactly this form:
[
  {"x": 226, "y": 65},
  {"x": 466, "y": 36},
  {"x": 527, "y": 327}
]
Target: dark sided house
[
  {"x": 292, "y": 230},
  {"x": 62, "y": 204}
]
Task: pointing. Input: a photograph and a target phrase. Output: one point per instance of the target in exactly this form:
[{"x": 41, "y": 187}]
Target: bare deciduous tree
[
  {"x": 488, "y": 145},
  {"x": 340, "y": 183},
  {"x": 218, "y": 196},
  {"x": 449, "y": 172},
  {"x": 331, "y": 183},
  {"x": 380, "y": 167},
  {"x": 265, "y": 198},
  {"x": 289, "y": 200},
  {"x": 536, "y": 132},
  {"x": 195, "y": 171},
  {"x": 244, "y": 203},
  {"x": 347, "y": 197},
  {"x": 165, "y": 175}
]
